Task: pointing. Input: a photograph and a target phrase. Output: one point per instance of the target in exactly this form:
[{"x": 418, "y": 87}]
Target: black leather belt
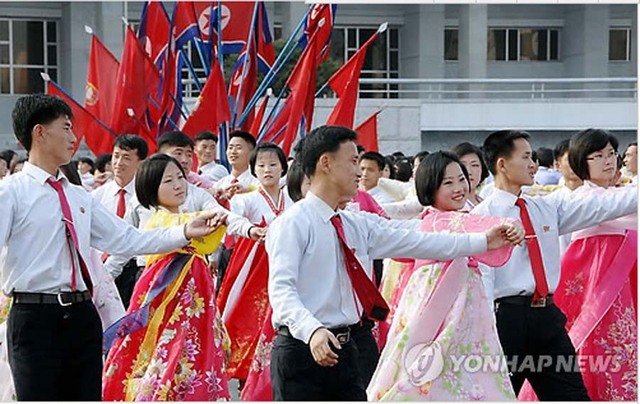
[
  {"x": 63, "y": 299},
  {"x": 343, "y": 334},
  {"x": 526, "y": 301}
]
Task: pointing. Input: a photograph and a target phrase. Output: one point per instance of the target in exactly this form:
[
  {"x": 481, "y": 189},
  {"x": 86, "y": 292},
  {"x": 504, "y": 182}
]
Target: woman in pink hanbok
[
  {"x": 596, "y": 290},
  {"x": 443, "y": 317}
]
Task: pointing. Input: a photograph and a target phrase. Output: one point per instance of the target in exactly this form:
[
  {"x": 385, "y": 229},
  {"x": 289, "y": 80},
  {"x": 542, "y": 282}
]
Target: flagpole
[
  {"x": 201, "y": 54},
  {"x": 271, "y": 118},
  {"x": 192, "y": 70},
  {"x": 275, "y": 69},
  {"x": 219, "y": 23}
]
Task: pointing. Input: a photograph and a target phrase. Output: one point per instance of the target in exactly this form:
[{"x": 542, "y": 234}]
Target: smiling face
[
  {"x": 452, "y": 193},
  {"x": 631, "y": 159},
  {"x": 602, "y": 165},
  {"x": 239, "y": 153},
  {"x": 268, "y": 169},
  {"x": 124, "y": 164},
  {"x": 173, "y": 188},
  {"x": 344, "y": 170},
  {"x": 206, "y": 151},
  {"x": 518, "y": 169}
]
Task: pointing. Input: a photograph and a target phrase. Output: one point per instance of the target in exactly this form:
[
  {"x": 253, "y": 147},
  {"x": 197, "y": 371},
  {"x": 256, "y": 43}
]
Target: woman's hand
[{"x": 204, "y": 224}]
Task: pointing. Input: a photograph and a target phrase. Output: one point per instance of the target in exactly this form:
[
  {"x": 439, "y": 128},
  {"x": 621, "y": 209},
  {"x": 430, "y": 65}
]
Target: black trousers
[
  {"x": 537, "y": 348},
  {"x": 126, "y": 281},
  {"x": 295, "y": 376},
  {"x": 368, "y": 353},
  {"x": 223, "y": 263},
  {"x": 55, "y": 352}
]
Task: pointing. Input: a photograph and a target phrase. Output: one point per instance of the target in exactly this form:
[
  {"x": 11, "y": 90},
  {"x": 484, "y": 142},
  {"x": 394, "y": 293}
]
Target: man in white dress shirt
[
  {"x": 315, "y": 308},
  {"x": 118, "y": 194},
  {"x": 531, "y": 328},
  {"x": 54, "y": 333},
  {"x": 206, "y": 144},
  {"x": 371, "y": 166}
]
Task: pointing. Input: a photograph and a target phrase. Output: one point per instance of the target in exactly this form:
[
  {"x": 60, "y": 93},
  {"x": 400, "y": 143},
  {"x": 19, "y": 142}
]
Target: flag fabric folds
[{"x": 368, "y": 133}]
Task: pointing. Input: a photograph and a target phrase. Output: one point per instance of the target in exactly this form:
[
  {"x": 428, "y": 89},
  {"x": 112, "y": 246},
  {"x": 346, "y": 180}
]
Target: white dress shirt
[
  {"x": 255, "y": 207},
  {"x": 380, "y": 195},
  {"x": 213, "y": 171},
  {"x": 308, "y": 283},
  {"x": 408, "y": 208},
  {"x": 551, "y": 216},
  {"x": 33, "y": 232},
  {"x": 108, "y": 196},
  {"x": 246, "y": 179},
  {"x": 197, "y": 200}
]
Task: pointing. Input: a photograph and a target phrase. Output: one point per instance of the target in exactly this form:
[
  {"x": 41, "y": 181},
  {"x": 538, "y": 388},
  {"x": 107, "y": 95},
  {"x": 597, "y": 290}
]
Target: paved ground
[{"x": 233, "y": 389}]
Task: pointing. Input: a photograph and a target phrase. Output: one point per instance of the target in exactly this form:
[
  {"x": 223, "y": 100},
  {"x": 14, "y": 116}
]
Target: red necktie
[
  {"x": 72, "y": 237},
  {"x": 372, "y": 301},
  {"x": 542, "y": 288},
  {"x": 121, "y": 208},
  {"x": 229, "y": 240}
]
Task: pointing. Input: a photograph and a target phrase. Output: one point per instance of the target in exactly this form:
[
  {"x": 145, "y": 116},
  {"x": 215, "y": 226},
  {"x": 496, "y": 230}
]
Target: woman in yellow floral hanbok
[{"x": 171, "y": 344}]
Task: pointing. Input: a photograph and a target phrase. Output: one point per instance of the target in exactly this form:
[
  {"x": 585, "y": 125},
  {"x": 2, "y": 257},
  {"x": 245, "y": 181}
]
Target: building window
[
  {"x": 523, "y": 44},
  {"x": 450, "y": 44},
  {"x": 277, "y": 30},
  {"x": 27, "y": 48},
  {"x": 381, "y": 62},
  {"x": 620, "y": 44}
]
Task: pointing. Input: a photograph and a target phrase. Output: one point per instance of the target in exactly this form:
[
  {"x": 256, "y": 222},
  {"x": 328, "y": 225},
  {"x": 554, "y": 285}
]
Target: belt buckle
[
  {"x": 343, "y": 337},
  {"x": 541, "y": 302},
  {"x": 63, "y": 304}
]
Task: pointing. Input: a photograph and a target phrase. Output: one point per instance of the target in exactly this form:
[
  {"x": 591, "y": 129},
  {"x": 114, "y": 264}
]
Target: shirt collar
[
  {"x": 325, "y": 211},
  {"x": 40, "y": 175},
  {"x": 504, "y": 196},
  {"x": 130, "y": 187}
]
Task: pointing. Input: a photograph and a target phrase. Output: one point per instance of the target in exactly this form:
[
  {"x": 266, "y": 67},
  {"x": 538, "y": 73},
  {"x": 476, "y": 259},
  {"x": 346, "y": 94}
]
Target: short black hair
[
  {"x": 102, "y": 161},
  {"x": 295, "y": 177},
  {"x": 464, "y": 148},
  {"x": 268, "y": 148},
  {"x": 149, "y": 177},
  {"x": 404, "y": 171},
  {"x": 206, "y": 135},
  {"x": 360, "y": 148},
  {"x": 374, "y": 156},
  {"x": 545, "y": 157},
  {"x": 561, "y": 149},
  {"x": 175, "y": 138},
  {"x": 132, "y": 142},
  {"x": 500, "y": 144},
  {"x": 246, "y": 136},
  {"x": 7, "y": 155},
  {"x": 321, "y": 140},
  {"x": 70, "y": 170},
  {"x": 430, "y": 174},
  {"x": 398, "y": 154},
  {"x": 583, "y": 144},
  {"x": 35, "y": 109},
  {"x": 88, "y": 160}
]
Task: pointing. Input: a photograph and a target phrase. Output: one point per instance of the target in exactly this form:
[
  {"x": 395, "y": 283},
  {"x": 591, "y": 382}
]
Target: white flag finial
[
  {"x": 88, "y": 29},
  {"x": 130, "y": 112},
  {"x": 45, "y": 76},
  {"x": 383, "y": 27}
]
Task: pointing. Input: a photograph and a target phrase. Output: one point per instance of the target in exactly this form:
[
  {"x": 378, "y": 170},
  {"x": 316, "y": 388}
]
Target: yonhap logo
[{"x": 424, "y": 362}]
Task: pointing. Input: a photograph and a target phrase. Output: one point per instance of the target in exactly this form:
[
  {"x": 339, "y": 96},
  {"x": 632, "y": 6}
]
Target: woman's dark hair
[
  {"x": 583, "y": 144},
  {"x": 465, "y": 148},
  {"x": 500, "y": 144},
  {"x": 149, "y": 177},
  {"x": 102, "y": 161},
  {"x": 389, "y": 162},
  {"x": 295, "y": 177},
  {"x": 403, "y": 171},
  {"x": 12, "y": 167},
  {"x": 70, "y": 170},
  {"x": 88, "y": 160},
  {"x": 268, "y": 148},
  {"x": 430, "y": 174}
]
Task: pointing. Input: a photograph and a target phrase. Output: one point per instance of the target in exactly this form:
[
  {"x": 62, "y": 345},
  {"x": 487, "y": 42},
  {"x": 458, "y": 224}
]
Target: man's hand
[
  {"x": 504, "y": 234},
  {"x": 204, "y": 224},
  {"x": 320, "y": 348},
  {"x": 257, "y": 233},
  {"x": 232, "y": 189}
]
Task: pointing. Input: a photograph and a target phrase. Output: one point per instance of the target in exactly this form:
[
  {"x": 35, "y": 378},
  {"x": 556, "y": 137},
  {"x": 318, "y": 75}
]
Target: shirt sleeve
[
  {"x": 6, "y": 212},
  {"x": 111, "y": 234},
  {"x": 405, "y": 209},
  {"x": 386, "y": 242},
  {"x": 285, "y": 243},
  {"x": 575, "y": 212}
]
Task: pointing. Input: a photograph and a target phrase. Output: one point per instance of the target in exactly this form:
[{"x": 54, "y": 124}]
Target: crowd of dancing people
[{"x": 484, "y": 272}]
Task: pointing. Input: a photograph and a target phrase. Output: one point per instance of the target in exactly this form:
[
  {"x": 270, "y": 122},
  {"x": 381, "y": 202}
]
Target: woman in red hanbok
[{"x": 243, "y": 298}]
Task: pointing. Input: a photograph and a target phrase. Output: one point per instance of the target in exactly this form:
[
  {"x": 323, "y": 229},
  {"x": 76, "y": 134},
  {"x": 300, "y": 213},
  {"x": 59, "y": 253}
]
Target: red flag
[
  {"x": 137, "y": 79},
  {"x": 212, "y": 108},
  {"x": 154, "y": 31},
  {"x": 100, "y": 92},
  {"x": 95, "y": 133},
  {"x": 257, "y": 121},
  {"x": 320, "y": 23},
  {"x": 185, "y": 24},
  {"x": 368, "y": 133},
  {"x": 345, "y": 84}
]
